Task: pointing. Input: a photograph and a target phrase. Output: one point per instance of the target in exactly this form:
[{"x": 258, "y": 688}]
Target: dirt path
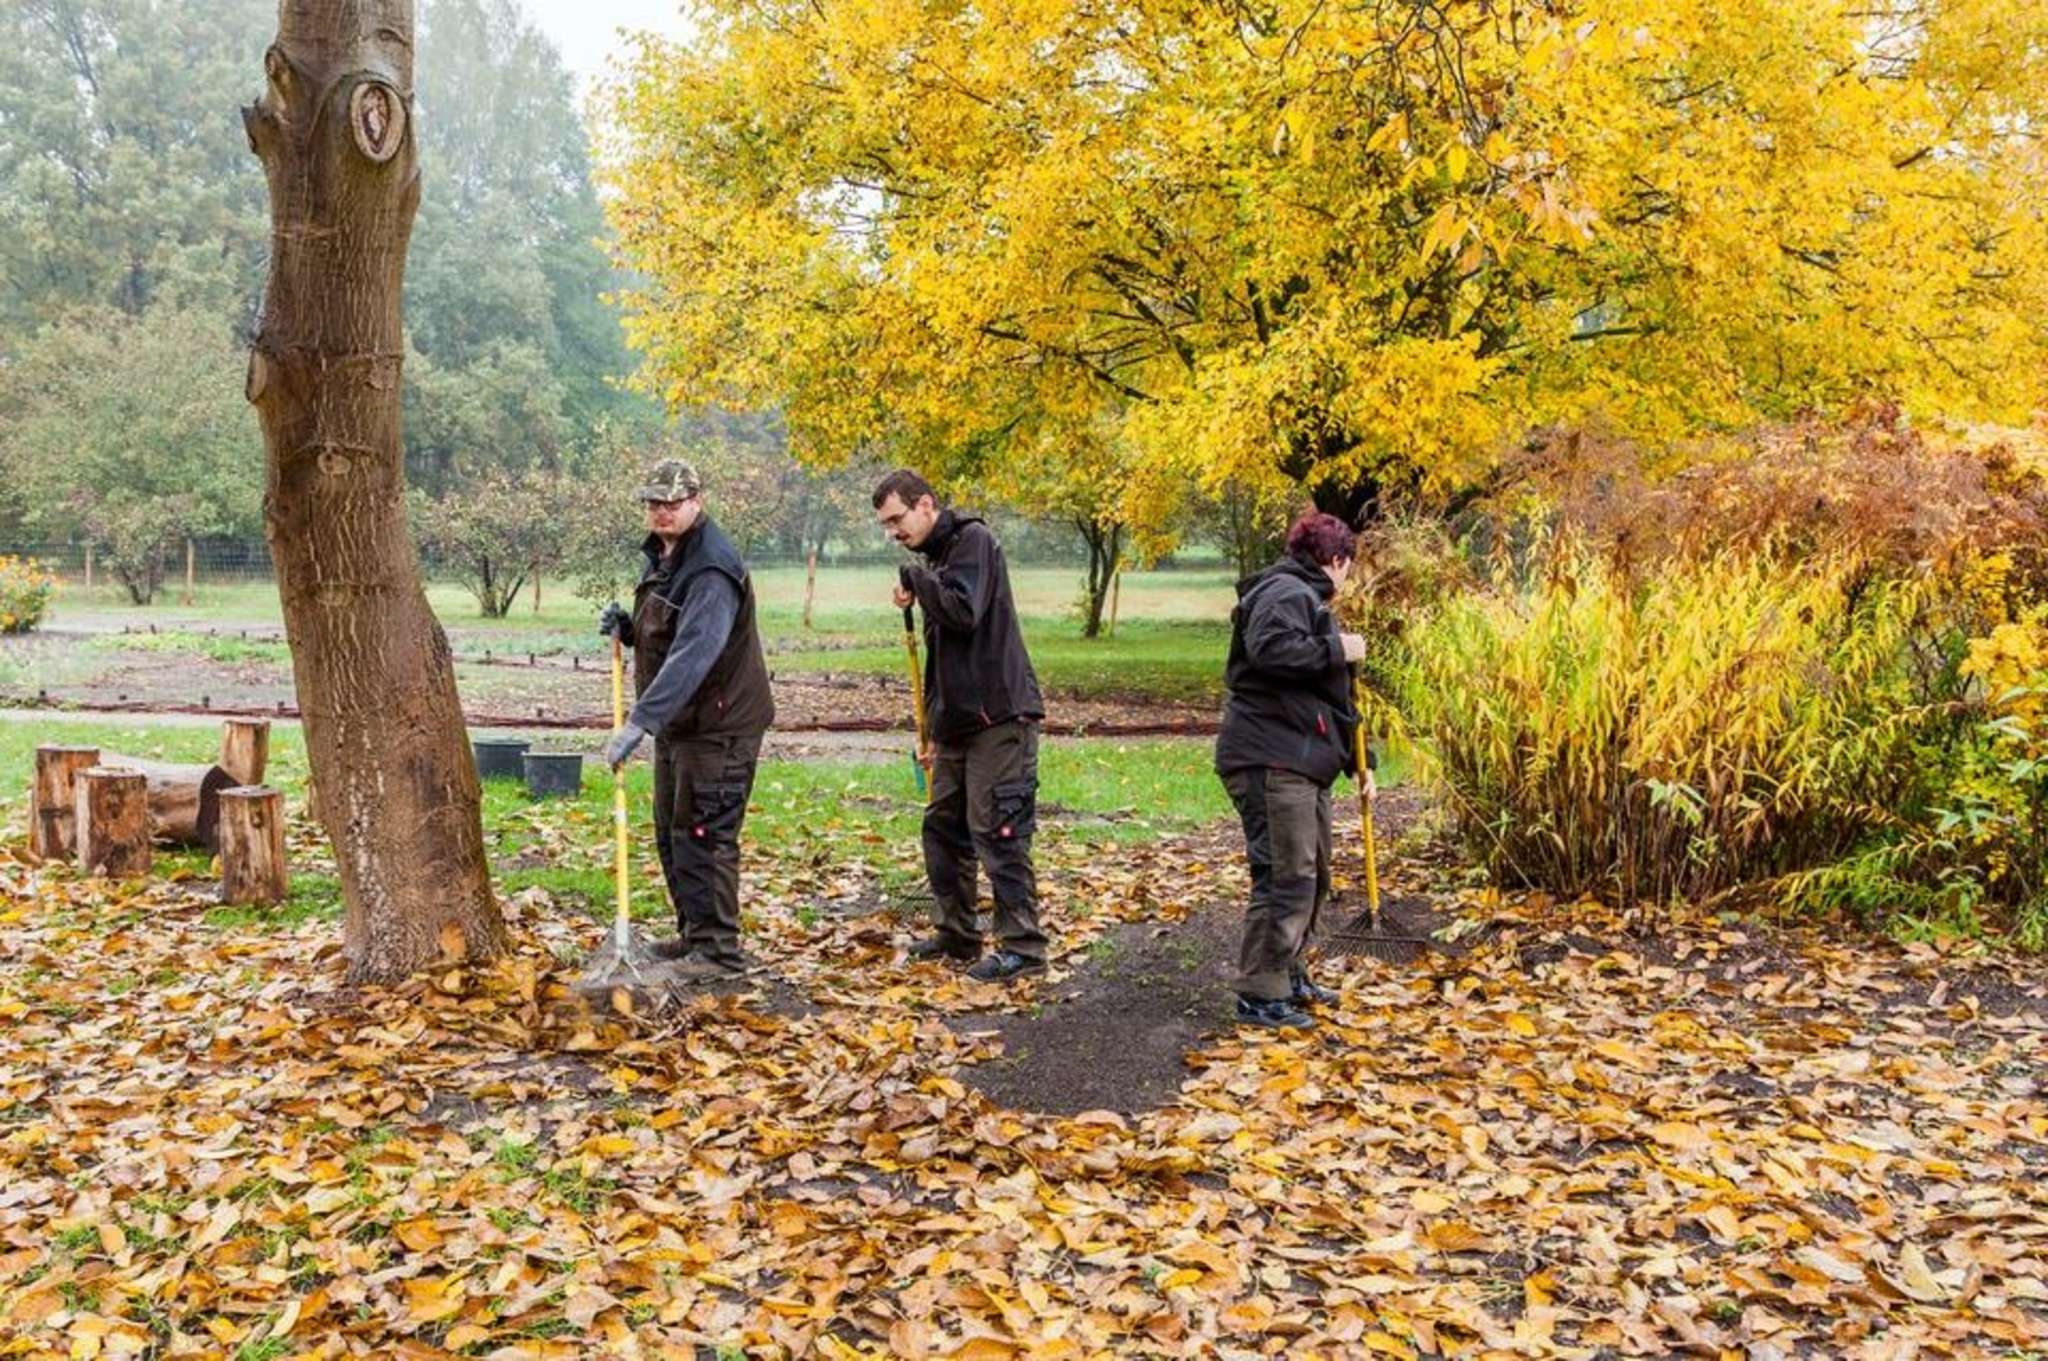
[
  {"x": 1116, "y": 1034},
  {"x": 1119, "y": 1031},
  {"x": 781, "y": 744}
]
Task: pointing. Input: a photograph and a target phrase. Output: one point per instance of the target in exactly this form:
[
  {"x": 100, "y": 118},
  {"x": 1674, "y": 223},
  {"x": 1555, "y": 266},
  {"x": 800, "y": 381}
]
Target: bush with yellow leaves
[
  {"x": 1845, "y": 712},
  {"x": 25, "y": 591}
]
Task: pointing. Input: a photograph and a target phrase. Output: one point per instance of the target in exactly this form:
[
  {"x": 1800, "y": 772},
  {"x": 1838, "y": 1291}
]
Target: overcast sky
[{"x": 587, "y": 31}]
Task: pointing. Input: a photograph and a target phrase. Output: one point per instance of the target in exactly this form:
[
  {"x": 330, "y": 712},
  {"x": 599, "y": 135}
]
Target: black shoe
[
  {"x": 1004, "y": 965},
  {"x": 938, "y": 947},
  {"x": 1308, "y": 994},
  {"x": 1274, "y": 1013},
  {"x": 671, "y": 949}
]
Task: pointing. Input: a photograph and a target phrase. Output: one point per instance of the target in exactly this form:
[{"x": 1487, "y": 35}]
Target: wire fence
[{"x": 233, "y": 562}]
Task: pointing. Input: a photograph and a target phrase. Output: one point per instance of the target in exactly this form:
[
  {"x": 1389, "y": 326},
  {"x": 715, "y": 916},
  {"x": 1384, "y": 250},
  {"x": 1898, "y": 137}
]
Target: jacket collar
[
  {"x": 943, "y": 529},
  {"x": 1315, "y": 577}
]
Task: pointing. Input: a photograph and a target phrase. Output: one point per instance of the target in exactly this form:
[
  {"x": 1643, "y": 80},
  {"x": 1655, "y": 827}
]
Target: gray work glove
[
  {"x": 622, "y": 744},
  {"x": 615, "y": 622}
]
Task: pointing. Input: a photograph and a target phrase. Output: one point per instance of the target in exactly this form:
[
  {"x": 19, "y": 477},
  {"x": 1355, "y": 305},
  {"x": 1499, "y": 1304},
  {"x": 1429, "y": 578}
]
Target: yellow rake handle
[
  {"x": 1358, "y": 754},
  {"x": 619, "y": 787}
]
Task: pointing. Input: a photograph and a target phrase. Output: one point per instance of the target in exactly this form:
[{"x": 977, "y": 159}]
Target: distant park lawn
[{"x": 1171, "y": 630}]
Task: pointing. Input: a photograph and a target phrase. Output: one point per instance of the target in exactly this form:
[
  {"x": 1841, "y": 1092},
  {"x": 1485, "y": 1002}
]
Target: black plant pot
[
  {"x": 553, "y": 774},
  {"x": 499, "y": 758}
]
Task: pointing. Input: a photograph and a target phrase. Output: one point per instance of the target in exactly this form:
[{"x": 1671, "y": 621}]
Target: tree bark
[
  {"x": 112, "y": 811},
  {"x": 376, "y": 683},
  {"x": 252, "y": 859},
  {"x": 53, "y": 800},
  {"x": 245, "y": 749},
  {"x": 191, "y": 563},
  {"x": 1105, "y": 547}
]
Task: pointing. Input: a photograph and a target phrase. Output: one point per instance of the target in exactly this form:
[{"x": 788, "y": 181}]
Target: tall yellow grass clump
[
  {"x": 1673, "y": 737},
  {"x": 1815, "y": 666}
]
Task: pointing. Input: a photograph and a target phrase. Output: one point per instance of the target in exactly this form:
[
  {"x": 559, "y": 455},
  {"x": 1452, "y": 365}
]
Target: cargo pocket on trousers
[
  {"x": 715, "y": 813},
  {"x": 1016, "y": 810}
]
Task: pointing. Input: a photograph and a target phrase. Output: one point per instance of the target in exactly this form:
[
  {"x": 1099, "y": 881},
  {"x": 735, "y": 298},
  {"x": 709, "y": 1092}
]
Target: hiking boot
[
  {"x": 700, "y": 968},
  {"x": 1309, "y": 994},
  {"x": 1004, "y": 965},
  {"x": 938, "y": 947},
  {"x": 672, "y": 949},
  {"x": 1275, "y": 1013}
]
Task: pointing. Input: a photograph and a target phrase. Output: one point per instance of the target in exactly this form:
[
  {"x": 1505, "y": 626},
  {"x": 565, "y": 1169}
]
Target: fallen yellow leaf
[{"x": 419, "y": 1235}]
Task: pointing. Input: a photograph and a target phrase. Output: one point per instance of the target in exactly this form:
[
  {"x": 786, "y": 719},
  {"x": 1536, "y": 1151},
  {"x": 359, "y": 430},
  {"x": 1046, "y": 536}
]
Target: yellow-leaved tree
[{"x": 1298, "y": 246}]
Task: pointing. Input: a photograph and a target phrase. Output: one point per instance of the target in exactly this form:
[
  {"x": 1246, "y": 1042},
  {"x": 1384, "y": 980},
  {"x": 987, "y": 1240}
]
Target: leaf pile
[{"x": 1551, "y": 1146}]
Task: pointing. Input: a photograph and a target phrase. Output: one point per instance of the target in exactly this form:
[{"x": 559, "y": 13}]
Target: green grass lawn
[
  {"x": 848, "y": 598},
  {"x": 820, "y": 814},
  {"x": 807, "y": 815},
  {"x": 1146, "y": 660}
]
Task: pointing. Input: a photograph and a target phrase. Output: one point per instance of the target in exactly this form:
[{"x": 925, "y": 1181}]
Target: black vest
[{"x": 735, "y": 697}]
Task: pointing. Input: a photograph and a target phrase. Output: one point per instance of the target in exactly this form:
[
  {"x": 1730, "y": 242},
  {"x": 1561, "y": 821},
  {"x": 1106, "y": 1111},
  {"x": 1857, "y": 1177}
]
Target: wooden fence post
[{"x": 810, "y": 586}]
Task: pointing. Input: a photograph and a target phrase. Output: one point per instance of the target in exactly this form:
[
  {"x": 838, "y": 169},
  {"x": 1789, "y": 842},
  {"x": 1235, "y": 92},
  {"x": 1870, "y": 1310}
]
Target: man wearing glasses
[
  {"x": 702, "y": 684},
  {"x": 983, "y": 711}
]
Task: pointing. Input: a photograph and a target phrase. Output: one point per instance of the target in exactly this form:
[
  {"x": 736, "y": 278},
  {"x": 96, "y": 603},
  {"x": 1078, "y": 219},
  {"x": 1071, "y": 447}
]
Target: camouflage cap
[{"x": 670, "y": 480}]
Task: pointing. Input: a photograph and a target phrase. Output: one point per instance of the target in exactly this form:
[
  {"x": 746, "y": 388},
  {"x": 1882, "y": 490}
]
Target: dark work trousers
[
  {"x": 985, "y": 806},
  {"x": 701, "y": 786},
  {"x": 1287, "y": 840}
]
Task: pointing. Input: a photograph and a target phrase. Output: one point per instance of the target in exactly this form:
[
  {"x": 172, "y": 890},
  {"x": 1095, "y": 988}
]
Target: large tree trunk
[{"x": 376, "y": 684}]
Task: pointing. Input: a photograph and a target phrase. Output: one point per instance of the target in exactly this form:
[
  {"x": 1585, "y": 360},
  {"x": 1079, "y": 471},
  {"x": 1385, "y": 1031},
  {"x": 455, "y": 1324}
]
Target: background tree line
[{"x": 133, "y": 234}]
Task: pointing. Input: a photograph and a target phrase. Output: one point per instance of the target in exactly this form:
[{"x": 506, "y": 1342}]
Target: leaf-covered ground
[{"x": 1557, "y": 1138}]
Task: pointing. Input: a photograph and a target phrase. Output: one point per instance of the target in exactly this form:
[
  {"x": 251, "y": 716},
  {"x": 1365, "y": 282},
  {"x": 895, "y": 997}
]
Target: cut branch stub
[{"x": 376, "y": 116}]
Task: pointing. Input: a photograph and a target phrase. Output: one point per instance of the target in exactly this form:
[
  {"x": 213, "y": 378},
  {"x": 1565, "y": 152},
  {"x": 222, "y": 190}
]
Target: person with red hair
[{"x": 1286, "y": 737}]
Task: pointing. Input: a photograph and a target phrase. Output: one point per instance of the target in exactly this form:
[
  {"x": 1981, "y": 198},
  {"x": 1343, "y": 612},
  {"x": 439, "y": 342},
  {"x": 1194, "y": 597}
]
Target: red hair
[{"x": 1319, "y": 540}]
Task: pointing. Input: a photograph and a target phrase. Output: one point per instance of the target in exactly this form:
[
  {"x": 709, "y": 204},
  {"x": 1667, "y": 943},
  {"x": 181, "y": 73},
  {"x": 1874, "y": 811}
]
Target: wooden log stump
[
  {"x": 53, "y": 800},
  {"x": 112, "y": 814},
  {"x": 252, "y": 860},
  {"x": 184, "y": 800},
  {"x": 245, "y": 749}
]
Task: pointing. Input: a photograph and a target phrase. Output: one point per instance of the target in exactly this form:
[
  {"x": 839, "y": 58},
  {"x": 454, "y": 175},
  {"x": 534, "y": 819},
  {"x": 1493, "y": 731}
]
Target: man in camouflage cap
[
  {"x": 702, "y": 684},
  {"x": 671, "y": 480}
]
